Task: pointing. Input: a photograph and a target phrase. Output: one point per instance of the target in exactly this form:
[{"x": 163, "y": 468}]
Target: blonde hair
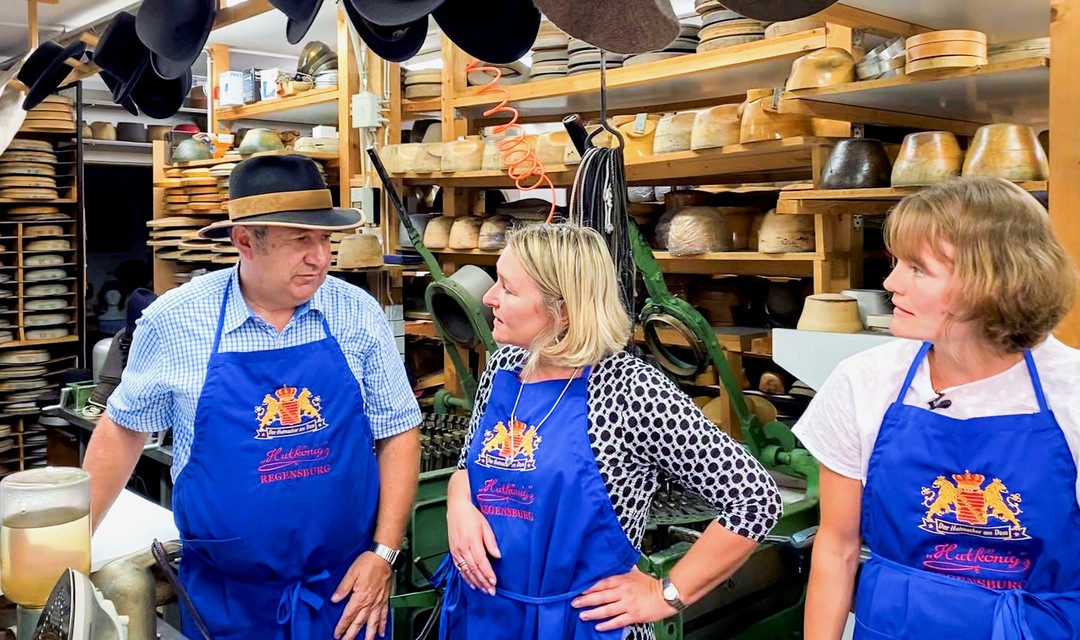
[
  {"x": 1017, "y": 281},
  {"x": 573, "y": 269}
]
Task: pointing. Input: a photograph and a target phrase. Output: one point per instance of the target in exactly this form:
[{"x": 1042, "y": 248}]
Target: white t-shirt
[{"x": 841, "y": 424}]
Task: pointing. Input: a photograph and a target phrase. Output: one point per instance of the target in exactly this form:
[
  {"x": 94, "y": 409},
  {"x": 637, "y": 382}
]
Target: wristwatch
[
  {"x": 392, "y": 556},
  {"x": 671, "y": 595}
]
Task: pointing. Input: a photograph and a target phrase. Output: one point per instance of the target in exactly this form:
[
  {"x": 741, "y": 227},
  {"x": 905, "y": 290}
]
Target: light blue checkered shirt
[{"x": 164, "y": 377}]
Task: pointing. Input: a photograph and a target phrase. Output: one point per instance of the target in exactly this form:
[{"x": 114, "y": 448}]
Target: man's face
[{"x": 287, "y": 264}]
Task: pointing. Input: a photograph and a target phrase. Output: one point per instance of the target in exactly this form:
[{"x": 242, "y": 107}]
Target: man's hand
[
  {"x": 623, "y": 600},
  {"x": 369, "y": 580}
]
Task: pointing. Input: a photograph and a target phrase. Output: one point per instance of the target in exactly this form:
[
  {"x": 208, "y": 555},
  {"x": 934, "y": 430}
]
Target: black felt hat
[
  {"x": 777, "y": 10},
  {"x": 495, "y": 31},
  {"x": 619, "y": 26},
  {"x": 175, "y": 31},
  {"x": 159, "y": 98},
  {"x": 44, "y": 70},
  {"x": 301, "y": 15},
  {"x": 394, "y": 43},
  {"x": 122, "y": 57},
  {"x": 387, "y": 13},
  {"x": 281, "y": 191}
]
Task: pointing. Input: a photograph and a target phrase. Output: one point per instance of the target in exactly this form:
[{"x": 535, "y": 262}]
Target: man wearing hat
[{"x": 295, "y": 449}]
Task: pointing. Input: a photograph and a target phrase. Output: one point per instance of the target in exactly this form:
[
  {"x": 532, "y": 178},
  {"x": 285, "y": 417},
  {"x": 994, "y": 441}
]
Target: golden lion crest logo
[
  {"x": 294, "y": 413},
  {"x": 512, "y": 448},
  {"x": 968, "y": 508}
]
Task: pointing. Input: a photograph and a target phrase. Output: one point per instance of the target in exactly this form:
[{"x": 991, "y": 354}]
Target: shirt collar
[{"x": 237, "y": 310}]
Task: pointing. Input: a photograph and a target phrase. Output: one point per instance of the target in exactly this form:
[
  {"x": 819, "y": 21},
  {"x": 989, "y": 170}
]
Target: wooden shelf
[
  {"x": 428, "y": 105},
  {"x": 766, "y": 161},
  {"x": 316, "y": 106},
  {"x": 694, "y": 79},
  {"x": 857, "y": 201},
  {"x": 37, "y": 343},
  {"x": 314, "y": 155},
  {"x": 39, "y": 202},
  {"x": 729, "y": 262},
  {"x": 958, "y": 100}
]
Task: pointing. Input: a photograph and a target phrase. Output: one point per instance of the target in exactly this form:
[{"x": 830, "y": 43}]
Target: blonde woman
[
  {"x": 953, "y": 455},
  {"x": 548, "y": 507}
]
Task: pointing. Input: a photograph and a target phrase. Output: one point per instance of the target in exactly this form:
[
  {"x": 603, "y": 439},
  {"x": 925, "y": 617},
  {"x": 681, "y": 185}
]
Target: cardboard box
[{"x": 230, "y": 88}]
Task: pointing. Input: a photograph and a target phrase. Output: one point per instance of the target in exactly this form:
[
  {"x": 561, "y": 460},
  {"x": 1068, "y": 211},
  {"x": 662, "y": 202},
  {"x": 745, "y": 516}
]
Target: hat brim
[
  {"x": 499, "y": 32},
  {"x": 388, "y": 13},
  {"x": 116, "y": 89},
  {"x": 618, "y": 26},
  {"x": 174, "y": 53},
  {"x": 53, "y": 76},
  {"x": 777, "y": 10},
  {"x": 333, "y": 219},
  {"x": 295, "y": 30},
  {"x": 398, "y": 50},
  {"x": 159, "y": 98}
]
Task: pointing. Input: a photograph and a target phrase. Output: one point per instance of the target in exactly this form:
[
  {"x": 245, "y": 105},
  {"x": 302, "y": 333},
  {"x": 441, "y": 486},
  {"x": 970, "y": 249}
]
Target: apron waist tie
[
  {"x": 1010, "y": 607},
  {"x": 448, "y": 578},
  {"x": 296, "y": 593}
]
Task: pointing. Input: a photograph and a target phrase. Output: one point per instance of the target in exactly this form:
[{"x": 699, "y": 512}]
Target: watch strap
[{"x": 392, "y": 556}]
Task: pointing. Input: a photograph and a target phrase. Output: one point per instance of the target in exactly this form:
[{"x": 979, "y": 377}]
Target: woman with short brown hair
[{"x": 953, "y": 457}]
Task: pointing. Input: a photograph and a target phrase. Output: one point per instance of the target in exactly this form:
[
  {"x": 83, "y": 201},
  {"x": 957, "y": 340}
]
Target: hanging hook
[{"x": 604, "y": 125}]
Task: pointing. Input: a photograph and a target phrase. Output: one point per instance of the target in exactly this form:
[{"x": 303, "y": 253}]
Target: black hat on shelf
[
  {"x": 159, "y": 98},
  {"x": 394, "y": 43},
  {"x": 44, "y": 70},
  {"x": 777, "y": 10},
  {"x": 175, "y": 31},
  {"x": 388, "y": 13},
  {"x": 281, "y": 191},
  {"x": 619, "y": 26},
  {"x": 495, "y": 31}
]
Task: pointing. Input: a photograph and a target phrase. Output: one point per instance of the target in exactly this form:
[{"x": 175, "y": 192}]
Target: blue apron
[
  {"x": 543, "y": 496},
  {"x": 973, "y": 525},
  {"x": 280, "y": 493}
]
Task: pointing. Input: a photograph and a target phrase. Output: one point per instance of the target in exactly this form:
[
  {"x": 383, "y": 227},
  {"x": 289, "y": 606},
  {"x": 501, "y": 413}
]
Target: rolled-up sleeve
[
  {"x": 388, "y": 398},
  {"x": 143, "y": 400},
  {"x": 685, "y": 445}
]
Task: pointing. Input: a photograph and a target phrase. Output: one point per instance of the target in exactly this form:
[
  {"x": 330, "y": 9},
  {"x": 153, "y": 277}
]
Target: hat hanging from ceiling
[
  {"x": 175, "y": 31},
  {"x": 777, "y": 10},
  {"x": 388, "y": 13},
  {"x": 618, "y": 26},
  {"x": 281, "y": 191},
  {"x": 394, "y": 43},
  {"x": 301, "y": 15},
  {"x": 122, "y": 57},
  {"x": 495, "y": 31},
  {"x": 44, "y": 71},
  {"x": 159, "y": 98}
]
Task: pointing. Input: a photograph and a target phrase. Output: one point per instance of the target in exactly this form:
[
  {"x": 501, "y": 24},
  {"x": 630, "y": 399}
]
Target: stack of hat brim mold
[
  {"x": 686, "y": 43},
  {"x": 26, "y": 374},
  {"x": 583, "y": 58},
  {"x": 55, "y": 114},
  {"x": 46, "y": 281},
  {"x": 513, "y": 73},
  {"x": 423, "y": 84},
  {"x": 724, "y": 28},
  {"x": 1020, "y": 50},
  {"x": 550, "y": 55},
  {"x": 788, "y": 27},
  {"x": 28, "y": 171},
  {"x": 950, "y": 49},
  {"x": 886, "y": 60}
]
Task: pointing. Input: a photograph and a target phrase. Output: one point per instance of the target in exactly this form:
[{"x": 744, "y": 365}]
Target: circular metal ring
[{"x": 652, "y": 323}]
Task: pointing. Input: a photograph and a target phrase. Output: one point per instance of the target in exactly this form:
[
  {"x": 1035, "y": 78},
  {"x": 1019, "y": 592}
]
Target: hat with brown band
[{"x": 281, "y": 191}]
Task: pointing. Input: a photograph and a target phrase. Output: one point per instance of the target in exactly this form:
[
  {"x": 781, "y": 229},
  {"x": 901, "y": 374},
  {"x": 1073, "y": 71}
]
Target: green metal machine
[{"x": 459, "y": 318}]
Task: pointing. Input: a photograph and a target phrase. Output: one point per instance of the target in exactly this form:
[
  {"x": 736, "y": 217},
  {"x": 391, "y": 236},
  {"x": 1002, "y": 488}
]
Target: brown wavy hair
[{"x": 1017, "y": 281}]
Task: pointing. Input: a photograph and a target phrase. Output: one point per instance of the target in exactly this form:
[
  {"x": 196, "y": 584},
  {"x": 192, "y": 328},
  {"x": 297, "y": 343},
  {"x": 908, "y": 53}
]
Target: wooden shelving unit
[
  {"x": 315, "y": 106},
  {"x": 857, "y": 201}
]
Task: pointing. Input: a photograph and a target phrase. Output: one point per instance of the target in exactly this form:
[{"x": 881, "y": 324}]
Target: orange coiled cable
[{"x": 522, "y": 165}]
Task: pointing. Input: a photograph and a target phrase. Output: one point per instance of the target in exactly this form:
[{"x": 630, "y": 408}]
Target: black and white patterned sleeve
[
  {"x": 505, "y": 358},
  {"x": 670, "y": 432}
]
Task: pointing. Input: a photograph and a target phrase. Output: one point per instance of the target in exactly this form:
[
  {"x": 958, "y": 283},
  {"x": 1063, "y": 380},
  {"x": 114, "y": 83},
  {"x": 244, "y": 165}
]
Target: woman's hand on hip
[
  {"x": 620, "y": 601},
  {"x": 367, "y": 584},
  {"x": 471, "y": 542}
]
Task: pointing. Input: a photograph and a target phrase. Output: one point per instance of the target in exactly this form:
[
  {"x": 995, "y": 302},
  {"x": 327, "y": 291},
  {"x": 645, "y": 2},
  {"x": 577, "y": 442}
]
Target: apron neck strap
[
  {"x": 1035, "y": 381},
  {"x": 225, "y": 303},
  {"x": 911, "y": 371},
  {"x": 221, "y": 314}
]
